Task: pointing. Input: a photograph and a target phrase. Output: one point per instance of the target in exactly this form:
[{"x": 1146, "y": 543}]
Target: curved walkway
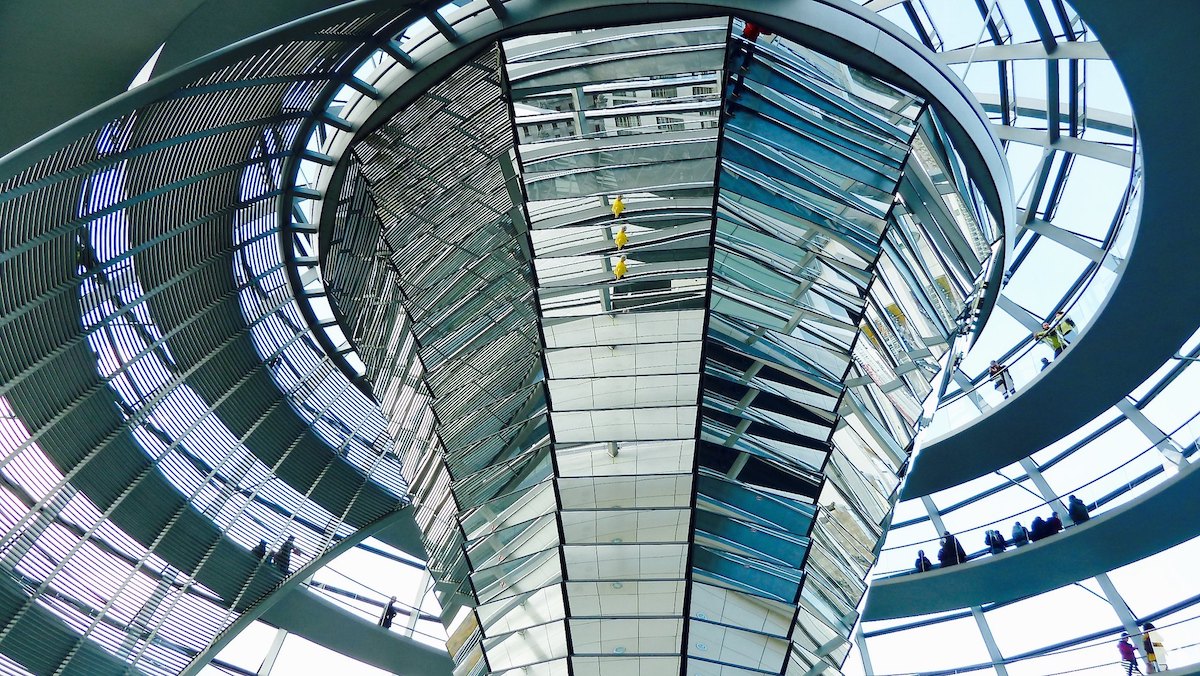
[
  {"x": 311, "y": 617},
  {"x": 1105, "y": 542},
  {"x": 267, "y": 608},
  {"x": 1150, "y": 312},
  {"x": 41, "y": 641}
]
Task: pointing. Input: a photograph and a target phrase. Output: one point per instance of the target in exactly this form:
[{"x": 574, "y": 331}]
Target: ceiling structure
[{"x": 582, "y": 424}]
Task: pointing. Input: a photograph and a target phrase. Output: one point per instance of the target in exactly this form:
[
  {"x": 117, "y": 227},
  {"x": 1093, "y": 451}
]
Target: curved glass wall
[
  {"x": 1071, "y": 146},
  {"x": 615, "y": 122},
  {"x": 168, "y": 419},
  {"x": 1124, "y": 453}
]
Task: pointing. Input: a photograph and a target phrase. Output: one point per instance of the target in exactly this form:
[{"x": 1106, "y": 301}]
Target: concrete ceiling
[{"x": 62, "y": 57}]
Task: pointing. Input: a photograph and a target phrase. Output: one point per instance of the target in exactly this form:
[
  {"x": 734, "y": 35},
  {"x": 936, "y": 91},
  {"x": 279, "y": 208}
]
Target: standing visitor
[
  {"x": 283, "y": 558},
  {"x": 995, "y": 542},
  {"x": 1001, "y": 379},
  {"x": 1128, "y": 656},
  {"x": 1054, "y": 333},
  {"x": 952, "y": 552},
  {"x": 1037, "y": 529},
  {"x": 923, "y": 564},
  {"x": 1054, "y": 524},
  {"x": 1020, "y": 535},
  {"x": 389, "y": 614},
  {"x": 1156, "y": 652},
  {"x": 1077, "y": 510}
]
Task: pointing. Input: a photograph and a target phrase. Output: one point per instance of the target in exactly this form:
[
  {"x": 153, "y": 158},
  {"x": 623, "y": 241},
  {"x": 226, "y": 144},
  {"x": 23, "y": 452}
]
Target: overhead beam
[
  {"x": 1042, "y": 25},
  {"x": 1104, "y": 152},
  {"x": 1068, "y": 239},
  {"x": 1098, "y": 119},
  {"x": 1024, "y": 51},
  {"x": 1053, "y": 101}
]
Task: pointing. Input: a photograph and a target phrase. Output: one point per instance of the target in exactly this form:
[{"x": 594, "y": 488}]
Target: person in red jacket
[
  {"x": 1128, "y": 656},
  {"x": 752, "y": 31}
]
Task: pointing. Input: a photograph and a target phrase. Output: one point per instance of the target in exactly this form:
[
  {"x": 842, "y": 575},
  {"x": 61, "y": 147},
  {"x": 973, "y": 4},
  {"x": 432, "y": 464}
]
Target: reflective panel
[{"x": 675, "y": 340}]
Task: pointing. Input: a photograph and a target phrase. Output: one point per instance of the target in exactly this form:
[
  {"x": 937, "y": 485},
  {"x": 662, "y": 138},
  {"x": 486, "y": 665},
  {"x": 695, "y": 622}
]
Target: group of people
[
  {"x": 1053, "y": 334},
  {"x": 1152, "y": 645},
  {"x": 281, "y": 559},
  {"x": 952, "y": 553},
  {"x": 1040, "y": 528}
]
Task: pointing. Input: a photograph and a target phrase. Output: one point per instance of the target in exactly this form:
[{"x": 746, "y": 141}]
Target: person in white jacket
[{"x": 1156, "y": 652}]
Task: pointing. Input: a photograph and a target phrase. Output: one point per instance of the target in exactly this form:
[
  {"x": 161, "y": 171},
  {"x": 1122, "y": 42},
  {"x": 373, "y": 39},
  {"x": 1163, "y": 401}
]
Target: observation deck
[{"x": 1103, "y": 543}]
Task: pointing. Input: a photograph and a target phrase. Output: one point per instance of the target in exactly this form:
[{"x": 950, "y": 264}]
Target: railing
[
  {"x": 1004, "y": 524},
  {"x": 1024, "y": 360},
  {"x": 1094, "y": 653},
  {"x": 370, "y": 606}
]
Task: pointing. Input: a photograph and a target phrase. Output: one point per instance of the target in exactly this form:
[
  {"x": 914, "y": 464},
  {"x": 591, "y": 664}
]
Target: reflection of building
[
  {"x": 760, "y": 310},
  {"x": 692, "y": 467},
  {"x": 686, "y": 102}
]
